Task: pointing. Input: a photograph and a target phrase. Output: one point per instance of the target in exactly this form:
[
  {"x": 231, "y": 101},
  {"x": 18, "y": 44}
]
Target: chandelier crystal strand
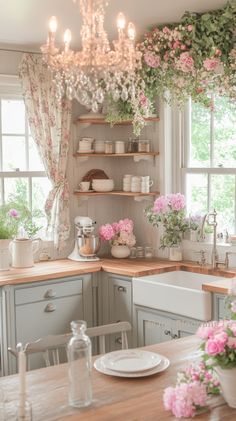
[{"x": 96, "y": 70}]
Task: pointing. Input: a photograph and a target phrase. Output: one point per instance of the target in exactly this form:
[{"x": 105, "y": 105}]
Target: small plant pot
[
  {"x": 175, "y": 253},
  {"x": 227, "y": 379}
]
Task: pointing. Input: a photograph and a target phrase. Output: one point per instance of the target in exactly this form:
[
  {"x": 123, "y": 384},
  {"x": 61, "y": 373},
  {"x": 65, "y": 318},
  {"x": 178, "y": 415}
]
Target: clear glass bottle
[{"x": 79, "y": 359}]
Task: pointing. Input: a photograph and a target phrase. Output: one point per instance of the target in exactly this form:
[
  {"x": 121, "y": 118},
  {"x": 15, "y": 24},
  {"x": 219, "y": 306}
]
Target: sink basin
[{"x": 177, "y": 292}]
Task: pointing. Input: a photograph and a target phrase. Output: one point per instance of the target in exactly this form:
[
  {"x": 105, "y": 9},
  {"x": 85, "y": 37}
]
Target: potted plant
[
  {"x": 120, "y": 235},
  {"x": 194, "y": 225},
  {"x": 169, "y": 211},
  {"x": 15, "y": 218}
]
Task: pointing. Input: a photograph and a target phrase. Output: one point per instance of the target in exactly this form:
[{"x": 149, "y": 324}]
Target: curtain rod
[{"x": 18, "y": 51}]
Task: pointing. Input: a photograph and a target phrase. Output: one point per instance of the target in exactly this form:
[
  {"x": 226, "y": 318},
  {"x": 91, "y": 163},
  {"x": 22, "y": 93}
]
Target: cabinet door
[
  {"x": 185, "y": 327},
  {"x": 35, "y": 320},
  {"x": 152, "y": 327},
  {"x": 120, "y": 306},
  {"x": 220, "y": 307}
]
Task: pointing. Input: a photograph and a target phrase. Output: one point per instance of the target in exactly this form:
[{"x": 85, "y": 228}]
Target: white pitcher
[{"x": 22, "y": 251}]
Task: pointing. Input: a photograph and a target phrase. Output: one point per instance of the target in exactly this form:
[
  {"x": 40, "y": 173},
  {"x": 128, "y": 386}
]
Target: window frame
[
  {"x": 185, "y": 169},
  {"x": 10, "y": 88}
]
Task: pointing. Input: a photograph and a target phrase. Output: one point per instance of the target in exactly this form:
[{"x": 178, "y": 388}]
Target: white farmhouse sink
[{"x": 178, "y": 292}]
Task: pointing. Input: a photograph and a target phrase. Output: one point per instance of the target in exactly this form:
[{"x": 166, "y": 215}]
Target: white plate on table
[
  {"x": 164, "y": 364},
  {"x": 131, "y": 360}
]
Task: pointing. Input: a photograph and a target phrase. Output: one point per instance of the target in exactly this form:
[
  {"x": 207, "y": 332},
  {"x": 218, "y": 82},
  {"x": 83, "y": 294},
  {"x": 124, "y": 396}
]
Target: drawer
[
  {"x": 49, "y": 291},
  {"x": 37, "y": 320}
]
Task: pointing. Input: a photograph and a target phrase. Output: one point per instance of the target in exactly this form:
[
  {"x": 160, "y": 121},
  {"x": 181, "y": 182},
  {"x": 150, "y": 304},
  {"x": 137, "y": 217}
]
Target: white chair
[{"x": 54, "y": 347}]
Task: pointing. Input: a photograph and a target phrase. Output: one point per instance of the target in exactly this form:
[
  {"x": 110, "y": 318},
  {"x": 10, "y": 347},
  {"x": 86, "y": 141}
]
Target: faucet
[{"x": 210, "y": 219}]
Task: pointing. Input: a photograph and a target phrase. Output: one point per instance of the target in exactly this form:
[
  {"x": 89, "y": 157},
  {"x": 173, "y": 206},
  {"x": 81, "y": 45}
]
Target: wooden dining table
[{"x": 114, "y": 398}]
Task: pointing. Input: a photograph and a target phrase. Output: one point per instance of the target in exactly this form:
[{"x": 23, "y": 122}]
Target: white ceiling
[{"x": 23, "y": 23}]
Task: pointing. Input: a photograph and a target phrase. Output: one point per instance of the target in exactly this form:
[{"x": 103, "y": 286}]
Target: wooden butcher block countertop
[{"x": 56, "y": 269}]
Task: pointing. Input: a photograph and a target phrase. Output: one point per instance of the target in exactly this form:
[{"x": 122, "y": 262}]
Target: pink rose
[
  {"x": 186, "y": 63},
  {"x": 210, "y": 63},
  {"x": 214, "y": 347},
  {"x": 152, "y": 60}
]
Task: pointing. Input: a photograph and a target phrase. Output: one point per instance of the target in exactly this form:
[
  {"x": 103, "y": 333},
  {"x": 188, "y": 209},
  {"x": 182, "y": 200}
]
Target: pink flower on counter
[
  {"x": 214, "y": 347},
  {"x": 210, "y": 63},
  {"x": 185, "y": 63},
  {"x": 106, "y": 232},
  {"x": 205, "y": 332},
  {"x": 118, "y": 233},
  {"x": 176, "y": 201},
  {"x": 152, "y": 60}
]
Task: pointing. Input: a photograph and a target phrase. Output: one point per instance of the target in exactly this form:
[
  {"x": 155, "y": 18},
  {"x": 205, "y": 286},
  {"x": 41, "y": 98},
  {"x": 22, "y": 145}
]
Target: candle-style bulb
[
  {"x": 131, "y": 31},
  {"x": 53, "y": 24},
  {"x": 121, "y": 21},
  {"x": 67, "y": 36}
]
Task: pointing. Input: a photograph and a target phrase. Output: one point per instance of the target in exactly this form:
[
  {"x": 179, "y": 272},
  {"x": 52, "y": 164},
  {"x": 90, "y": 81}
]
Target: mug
[
  {"x": 84, "y": 185},
  {"x": 23, "y": 250}
]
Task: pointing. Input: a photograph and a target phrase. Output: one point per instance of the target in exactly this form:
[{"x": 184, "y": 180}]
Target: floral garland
[{"x": 192, "y": 58}]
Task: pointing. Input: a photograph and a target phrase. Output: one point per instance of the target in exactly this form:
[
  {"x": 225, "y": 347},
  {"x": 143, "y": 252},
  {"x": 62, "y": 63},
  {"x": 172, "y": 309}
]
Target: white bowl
[{"x": 103, "y": 185}]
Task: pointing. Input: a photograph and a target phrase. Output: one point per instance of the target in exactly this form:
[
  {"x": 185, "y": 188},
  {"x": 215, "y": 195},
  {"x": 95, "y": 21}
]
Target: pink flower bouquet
[
  {"x": 219, "y": 343},
  {"x": 170, "y": 212},
  {"x": 118, "y": 233}
]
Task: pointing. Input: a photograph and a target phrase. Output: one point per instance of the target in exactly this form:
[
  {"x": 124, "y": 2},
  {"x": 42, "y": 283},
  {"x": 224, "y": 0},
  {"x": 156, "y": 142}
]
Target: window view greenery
[
  {"x": 22, "y": 176},
  {"x": 211, "y": 166}
]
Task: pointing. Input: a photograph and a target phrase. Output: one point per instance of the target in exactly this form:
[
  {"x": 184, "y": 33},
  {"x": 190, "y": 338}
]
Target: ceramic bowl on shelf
[{"x": 103, "y": 185}]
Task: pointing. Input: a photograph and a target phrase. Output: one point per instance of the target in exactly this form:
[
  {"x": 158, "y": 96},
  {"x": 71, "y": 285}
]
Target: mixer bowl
[{"x": 88, "y": 246}]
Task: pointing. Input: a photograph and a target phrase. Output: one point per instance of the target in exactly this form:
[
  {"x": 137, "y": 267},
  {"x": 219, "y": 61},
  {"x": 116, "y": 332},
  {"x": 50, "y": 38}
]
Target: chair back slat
[{"x": 52, "y": 346}]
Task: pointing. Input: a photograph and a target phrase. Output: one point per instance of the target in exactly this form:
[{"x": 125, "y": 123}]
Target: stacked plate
[{"x": 131, "y": 363}]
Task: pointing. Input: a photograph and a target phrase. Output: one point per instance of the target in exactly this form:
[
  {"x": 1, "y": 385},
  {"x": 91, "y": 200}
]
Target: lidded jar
[{"x": 80, "y": 364}]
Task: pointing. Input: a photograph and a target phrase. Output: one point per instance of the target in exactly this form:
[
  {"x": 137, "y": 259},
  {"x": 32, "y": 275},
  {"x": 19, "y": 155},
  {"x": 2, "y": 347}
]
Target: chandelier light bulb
[
  {"x": 53, "y": 24},
  {"x": 67, "y": 36},
  {"x": 121, "y": 21},
  {"x": 131, "y": 31}
]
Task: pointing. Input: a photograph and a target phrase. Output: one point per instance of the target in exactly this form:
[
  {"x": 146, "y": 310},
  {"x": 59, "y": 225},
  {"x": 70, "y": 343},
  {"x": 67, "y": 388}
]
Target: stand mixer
[{"x": 87, "y": 244}]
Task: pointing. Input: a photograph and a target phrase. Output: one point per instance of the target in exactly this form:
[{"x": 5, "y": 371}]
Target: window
[
  {"x": 209, "y": 161},
  {"x": 22, "y": 175}
]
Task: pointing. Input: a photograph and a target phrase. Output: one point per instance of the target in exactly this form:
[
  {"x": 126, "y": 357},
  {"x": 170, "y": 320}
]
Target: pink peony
[
  {"x": 185, "y": 63},
  {"x": 152, "y": 60},
  {"x": 210, "y": 63},
  {"x": 106, "y": 232},
  {"x": 161, "y": 204},
  {"x": 184, "y": 398},
  {"x": 176, "y": 201}
]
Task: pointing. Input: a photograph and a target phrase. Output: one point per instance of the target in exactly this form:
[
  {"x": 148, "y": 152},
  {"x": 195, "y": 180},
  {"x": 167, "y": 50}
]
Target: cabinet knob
[
  {"x": 49, "y": 308},
  {"x": 50, "y": 293},
  {"x": 167, "y": 332},
  {"x": 121, "y": 289}
]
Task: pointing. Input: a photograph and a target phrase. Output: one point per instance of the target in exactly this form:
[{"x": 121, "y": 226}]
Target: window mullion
[{"x": 212, "y": 138}]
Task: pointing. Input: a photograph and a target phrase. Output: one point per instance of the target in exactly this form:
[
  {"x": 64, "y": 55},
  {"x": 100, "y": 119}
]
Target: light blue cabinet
[
  {"x": 154, "y": 326},
  {"x": 115, "y": 304},
  {"x": 34, "y": 310},
  {"x": 220, "y": 310}
]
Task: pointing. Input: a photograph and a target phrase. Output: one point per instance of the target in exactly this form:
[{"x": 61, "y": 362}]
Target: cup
[
  {"x": 119, "y": 147},
  {"x": 84, "y": 185}
]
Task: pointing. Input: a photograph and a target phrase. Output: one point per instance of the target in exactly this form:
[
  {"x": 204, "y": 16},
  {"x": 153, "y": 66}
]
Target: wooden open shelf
[
  {"x": 115, "y": 193},
  {"x": 103, "y": 121},
  {"x": 139, "y": 154}
]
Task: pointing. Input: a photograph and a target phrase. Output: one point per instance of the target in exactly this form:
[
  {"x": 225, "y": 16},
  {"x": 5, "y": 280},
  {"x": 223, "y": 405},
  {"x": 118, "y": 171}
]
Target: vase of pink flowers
[
  {"x": 120, "y": 235},
  {"x": 169, "y": 211},
  {"x": 219, "y": 347}
]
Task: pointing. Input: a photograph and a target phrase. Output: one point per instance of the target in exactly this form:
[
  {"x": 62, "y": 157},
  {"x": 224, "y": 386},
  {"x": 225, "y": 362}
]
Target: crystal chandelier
[{"x": 91, "y": 73}]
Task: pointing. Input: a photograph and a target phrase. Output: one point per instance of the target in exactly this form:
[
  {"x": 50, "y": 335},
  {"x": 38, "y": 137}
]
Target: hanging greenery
[{"x": 192, "y": 58}]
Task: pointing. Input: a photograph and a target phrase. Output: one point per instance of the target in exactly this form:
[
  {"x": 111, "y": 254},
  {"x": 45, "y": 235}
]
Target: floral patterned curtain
[{"x": 49, "y": 122}]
